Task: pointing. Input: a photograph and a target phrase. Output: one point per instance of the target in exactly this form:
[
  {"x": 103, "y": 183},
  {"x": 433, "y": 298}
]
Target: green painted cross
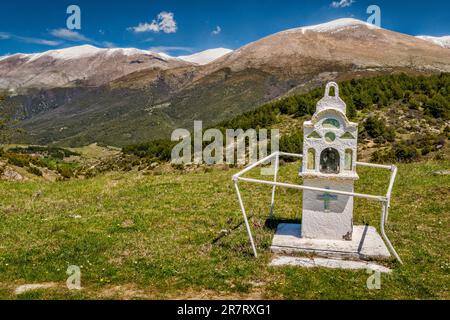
[{"x": 327, "y": 197}]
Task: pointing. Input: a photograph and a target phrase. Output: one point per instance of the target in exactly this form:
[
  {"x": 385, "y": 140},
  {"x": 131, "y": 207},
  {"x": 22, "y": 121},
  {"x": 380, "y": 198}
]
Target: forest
[{"x": 428, "y": 95}]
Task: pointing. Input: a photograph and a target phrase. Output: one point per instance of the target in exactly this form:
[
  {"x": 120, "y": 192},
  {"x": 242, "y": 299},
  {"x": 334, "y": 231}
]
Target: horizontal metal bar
[
  {"x": 294, "y": 155},
  {"x": 373, "y": 165},
  {"x": 254, "y": 165},
  {"x": 293, "y": 186}
]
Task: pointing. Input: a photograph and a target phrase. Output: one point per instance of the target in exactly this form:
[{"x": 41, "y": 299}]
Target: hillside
[
  {"x": 401, "y": 118},
  {"x": 158, "y": 236},
  {"x": 140, "y": 228},
  {"x": 150, "y": 103}
]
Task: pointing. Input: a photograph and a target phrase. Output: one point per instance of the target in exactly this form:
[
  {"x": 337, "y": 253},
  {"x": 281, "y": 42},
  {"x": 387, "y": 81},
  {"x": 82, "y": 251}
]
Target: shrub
[
  {"x": 404, "y": 153},
  {"x": 374, "y": 127},
  {"x": 65, "y": 171},
  {"x": 439, "y": 107},
  {"x": 157, "y": 149},
  {"x": 383, "y": 156},
  {"x": 292, "y": 143},
  {"x": 35, "y": 171},
  {"x": 53, "y": 152},
  {"x": 426, "y": 150},
  {"x": 18, "y": 160}
]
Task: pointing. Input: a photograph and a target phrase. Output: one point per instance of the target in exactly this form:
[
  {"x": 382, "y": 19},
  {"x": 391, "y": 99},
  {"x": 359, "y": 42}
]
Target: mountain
[
  {"x": 151, "y": 102},
  {"x": 206, "y": 56},
  {"x": 346, "y": 42},
  {"x": 440, "y": 41},
  {"x": 77, "y": 66}
]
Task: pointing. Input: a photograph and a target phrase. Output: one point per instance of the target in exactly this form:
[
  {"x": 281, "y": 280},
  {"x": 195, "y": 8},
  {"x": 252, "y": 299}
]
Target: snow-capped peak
[
  {"x": 69, "y": 53},
  {"x": 207, "y": 56},
  {"x": 440, "y": 41},
  {"x": 335, "y": 26},
  {"x": 84, "y": 51}
]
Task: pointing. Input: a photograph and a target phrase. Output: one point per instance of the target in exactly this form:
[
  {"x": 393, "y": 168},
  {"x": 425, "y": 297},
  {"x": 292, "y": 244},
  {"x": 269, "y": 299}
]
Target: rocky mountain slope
[
  {"x": 347, "y": 42},
  {"x": 77, "y": 66},
  {"x": 151, "y": 102}
]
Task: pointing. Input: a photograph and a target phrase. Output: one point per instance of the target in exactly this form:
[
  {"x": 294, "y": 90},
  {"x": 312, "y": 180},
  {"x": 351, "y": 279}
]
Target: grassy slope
[{"x": 152, "y": 237}]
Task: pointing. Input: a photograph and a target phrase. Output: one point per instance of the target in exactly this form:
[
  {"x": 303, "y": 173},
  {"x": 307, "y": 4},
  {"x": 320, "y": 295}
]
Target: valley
[{"x": 147, "y": 101}]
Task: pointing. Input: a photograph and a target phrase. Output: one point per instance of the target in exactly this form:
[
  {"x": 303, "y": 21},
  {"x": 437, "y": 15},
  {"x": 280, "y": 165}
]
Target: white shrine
[{"x": 329, "y": 163}]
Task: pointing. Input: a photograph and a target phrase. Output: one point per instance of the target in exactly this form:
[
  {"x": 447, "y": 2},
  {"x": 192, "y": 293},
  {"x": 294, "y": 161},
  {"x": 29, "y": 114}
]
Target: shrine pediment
[
  {"x": 331, "y": 102},
  {"x": 334, "y": 119}
]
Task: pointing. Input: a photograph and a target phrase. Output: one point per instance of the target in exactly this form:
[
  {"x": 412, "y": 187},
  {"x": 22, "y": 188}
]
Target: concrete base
[
  {"x": 327, "y": 263},
  {"x": 366, "y": 244}
]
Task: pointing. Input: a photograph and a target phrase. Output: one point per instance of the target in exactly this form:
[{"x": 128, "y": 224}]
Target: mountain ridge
[{"x": 150, "y": 102}]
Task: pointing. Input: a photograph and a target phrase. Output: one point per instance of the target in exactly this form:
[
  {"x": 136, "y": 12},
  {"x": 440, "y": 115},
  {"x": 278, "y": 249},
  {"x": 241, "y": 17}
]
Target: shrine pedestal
[
  {"x": 366, "y": 244},
  {"x": 327, "y": 216}
]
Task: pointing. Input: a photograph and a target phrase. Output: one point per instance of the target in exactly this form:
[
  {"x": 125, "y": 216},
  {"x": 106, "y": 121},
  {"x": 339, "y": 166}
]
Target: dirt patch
[
  {"x": 130, "y": 291},
  {"x": 124, "y": 292}
]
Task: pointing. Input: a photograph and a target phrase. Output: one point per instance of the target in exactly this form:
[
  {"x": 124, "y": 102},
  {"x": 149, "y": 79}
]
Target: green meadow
[{"x": 137, "y": 236}]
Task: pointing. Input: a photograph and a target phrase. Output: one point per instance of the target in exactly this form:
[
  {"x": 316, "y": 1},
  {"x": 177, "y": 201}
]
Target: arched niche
[
  {"x": 348, "y": 163},
  {"x": 311, "y": 161},
  {"x": 330, "y": 161}
]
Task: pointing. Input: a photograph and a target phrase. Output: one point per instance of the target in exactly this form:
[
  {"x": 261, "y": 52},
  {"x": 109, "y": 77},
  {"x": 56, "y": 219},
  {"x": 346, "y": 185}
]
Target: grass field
[{"x": 140, "y": 236}]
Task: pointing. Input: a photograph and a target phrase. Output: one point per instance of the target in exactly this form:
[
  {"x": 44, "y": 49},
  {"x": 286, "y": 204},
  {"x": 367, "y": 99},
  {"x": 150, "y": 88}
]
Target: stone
[
  {"x": 327, "y": 263},
  {"x": 10, "y": 175},
  {"x": 366, "y": 244},
  {"x": 154, "y": 165},
  {"x": 36, "y": 286},
  {"x": 441, "y": 173}
]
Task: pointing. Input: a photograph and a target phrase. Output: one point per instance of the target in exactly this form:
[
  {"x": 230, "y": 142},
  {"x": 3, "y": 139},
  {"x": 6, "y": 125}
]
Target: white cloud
[
  {"x": 167, "y": 22},
  {"x": 146, "y": 27},
  {"x": 217, "y": 30},
  {"x": 38, "y": 41},
  {"x": 164, "y": 22},
  {"x": 168, "y": 49},
  {"x": 74, "y": 36},
  {"x": 5, "y": 36},
  {"x": 342, "y": 3},
  {"x": 108, "y": 44},
  {"x": 70, "y": 35}
]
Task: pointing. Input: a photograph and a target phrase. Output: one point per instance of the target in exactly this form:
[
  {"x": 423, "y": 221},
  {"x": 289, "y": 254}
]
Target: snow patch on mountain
[
  {"x": 206, "y": 56},
  {"x": 440, "y": 41},
  {"x": 334, "y": 26},
  {"x": 68, "y": 53},
  {"x": 84, "y": 51}
]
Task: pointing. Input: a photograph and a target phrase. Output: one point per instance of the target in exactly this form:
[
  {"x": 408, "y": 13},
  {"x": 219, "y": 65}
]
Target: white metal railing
[{"x": 385, "y": 200}]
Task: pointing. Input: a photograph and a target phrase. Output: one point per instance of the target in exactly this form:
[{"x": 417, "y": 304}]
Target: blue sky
[{"x": 190, "y": 26}]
